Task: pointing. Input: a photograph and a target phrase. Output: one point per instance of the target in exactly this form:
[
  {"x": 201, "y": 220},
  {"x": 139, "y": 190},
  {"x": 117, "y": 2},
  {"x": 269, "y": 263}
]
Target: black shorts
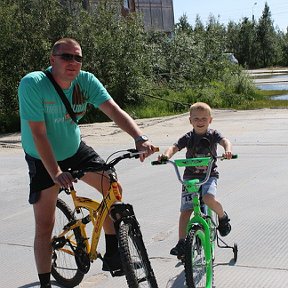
[{"x": 40, "y": 179}]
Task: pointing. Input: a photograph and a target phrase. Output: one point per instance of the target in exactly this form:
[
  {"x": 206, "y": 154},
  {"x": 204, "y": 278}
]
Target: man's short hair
[{"x": 58, "y": 43}]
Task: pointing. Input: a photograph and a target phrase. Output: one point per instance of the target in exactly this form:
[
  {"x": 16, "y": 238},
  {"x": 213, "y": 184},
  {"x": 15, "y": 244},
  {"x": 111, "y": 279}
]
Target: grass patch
[
  {"x": 170, "y": 102},
  {"x": 264, "y": 99}
]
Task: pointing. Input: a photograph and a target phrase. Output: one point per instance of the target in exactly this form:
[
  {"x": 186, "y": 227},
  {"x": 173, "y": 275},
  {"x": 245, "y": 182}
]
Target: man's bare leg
[{"x": 44, "y": 213}]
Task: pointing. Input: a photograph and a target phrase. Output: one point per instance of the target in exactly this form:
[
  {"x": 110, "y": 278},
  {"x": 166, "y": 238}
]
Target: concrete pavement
[{"x": 252, "y": 189}]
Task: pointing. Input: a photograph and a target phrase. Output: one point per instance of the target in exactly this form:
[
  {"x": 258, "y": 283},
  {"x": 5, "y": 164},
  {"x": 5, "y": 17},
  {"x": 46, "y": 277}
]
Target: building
[{"x": 158, "y": 15}]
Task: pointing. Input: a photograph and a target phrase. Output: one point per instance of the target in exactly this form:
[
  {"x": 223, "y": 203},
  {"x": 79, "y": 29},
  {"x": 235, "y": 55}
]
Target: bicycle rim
[
  {"x": 198, "y": 272},
  {"x": 134, "y": 257},
  {"x": 64, "y": 266}
]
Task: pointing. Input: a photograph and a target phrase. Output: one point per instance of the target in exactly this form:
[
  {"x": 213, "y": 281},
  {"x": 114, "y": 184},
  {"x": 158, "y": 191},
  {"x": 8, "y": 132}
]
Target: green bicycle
[{"x": 202, "y": 227}]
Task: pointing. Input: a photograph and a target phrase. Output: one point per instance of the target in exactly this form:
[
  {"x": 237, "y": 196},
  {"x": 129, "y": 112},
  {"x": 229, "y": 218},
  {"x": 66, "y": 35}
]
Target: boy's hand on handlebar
[
  {"x": 227, "y": 155},
  {"x": 162, "y": 158},
  {"x": 148, "y": 147}
]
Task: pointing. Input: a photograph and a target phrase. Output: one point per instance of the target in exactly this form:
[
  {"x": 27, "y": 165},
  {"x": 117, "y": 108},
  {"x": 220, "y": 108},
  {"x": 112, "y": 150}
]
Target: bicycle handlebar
[
  {"x": 132, "y": 153},
  {"x": 166, "y": 160},
  {"x": 204, "y": 161}
]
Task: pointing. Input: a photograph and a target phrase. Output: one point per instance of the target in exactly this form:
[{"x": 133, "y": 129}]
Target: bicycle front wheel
[
  {"x": 64, "y": 266},
  {"x": 134, "y": 257},
  {"x": 198, "y": 269}
]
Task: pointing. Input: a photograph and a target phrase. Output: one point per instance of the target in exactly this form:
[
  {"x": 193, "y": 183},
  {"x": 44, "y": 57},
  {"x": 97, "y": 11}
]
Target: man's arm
[
  {"x": 38, "y": 129},
  {"x": 127, "y": 124}
]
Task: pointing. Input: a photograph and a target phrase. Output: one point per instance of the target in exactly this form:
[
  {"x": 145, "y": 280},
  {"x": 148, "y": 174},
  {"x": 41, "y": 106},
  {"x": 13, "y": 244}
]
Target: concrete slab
[{"x": 252, "y": 189}]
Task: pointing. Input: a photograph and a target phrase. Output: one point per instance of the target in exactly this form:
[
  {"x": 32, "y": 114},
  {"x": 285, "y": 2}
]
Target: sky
[{"x": 233, "y": 10}]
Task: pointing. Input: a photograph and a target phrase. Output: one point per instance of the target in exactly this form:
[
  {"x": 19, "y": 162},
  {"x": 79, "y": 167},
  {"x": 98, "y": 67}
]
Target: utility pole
[{"x": 255, "y": 3}]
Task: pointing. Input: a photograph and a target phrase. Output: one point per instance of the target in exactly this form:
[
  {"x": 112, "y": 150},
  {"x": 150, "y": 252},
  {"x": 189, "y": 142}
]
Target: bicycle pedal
[
  {"x": 181, "y": 257},
  {"x": 117, "y": 273}
]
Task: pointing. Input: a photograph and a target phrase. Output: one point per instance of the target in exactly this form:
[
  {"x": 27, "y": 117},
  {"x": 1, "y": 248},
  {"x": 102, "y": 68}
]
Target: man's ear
[
  {"x": 51, "y": 59},
  {"x": 210, "y": 120}
]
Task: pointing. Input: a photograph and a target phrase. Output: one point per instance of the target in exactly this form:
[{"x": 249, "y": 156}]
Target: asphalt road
[{"x": 252, "y": 189}]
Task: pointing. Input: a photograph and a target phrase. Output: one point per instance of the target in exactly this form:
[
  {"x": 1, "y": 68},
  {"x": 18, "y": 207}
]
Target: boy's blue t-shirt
[{"x": 39, "y": 101}]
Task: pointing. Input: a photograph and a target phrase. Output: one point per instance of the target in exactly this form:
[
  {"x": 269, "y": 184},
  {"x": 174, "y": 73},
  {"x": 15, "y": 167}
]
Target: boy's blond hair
[{"x": 200, "y": 106}]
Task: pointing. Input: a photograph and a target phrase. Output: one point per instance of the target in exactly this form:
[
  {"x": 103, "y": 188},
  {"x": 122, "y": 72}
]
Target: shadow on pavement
[
  {"x": 37, "y": 285},
  {"x": 177, "y": 281}
]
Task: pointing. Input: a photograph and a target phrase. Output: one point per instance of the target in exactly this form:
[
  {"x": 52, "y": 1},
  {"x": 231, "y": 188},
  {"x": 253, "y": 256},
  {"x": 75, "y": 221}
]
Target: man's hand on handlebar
[
  {"x": 64, "y": 179},
  {"x": 148, "y": 147}
]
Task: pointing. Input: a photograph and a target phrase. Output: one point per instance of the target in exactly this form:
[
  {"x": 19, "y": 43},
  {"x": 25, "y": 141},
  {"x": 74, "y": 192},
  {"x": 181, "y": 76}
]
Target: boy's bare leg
[
  {"x": 213, "y": 204},
  {"x": 183, "y": 221}
]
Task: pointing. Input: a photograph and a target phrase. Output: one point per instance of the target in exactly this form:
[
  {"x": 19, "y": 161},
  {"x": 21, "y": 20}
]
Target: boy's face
[{"x": 200, "y": 121}]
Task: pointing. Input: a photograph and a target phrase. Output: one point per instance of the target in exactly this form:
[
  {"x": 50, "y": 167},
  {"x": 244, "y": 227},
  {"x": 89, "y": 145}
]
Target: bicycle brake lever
[
  {"x": 133, "y": 150},
  {"x": 133, "y": 153}
]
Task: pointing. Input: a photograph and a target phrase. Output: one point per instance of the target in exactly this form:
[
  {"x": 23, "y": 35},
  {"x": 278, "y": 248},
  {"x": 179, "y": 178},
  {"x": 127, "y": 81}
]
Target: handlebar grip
[
  {"x": 222, "y": 157},
  {"x": 156, "y": 149},
  {"x": 156, "y": 162}
]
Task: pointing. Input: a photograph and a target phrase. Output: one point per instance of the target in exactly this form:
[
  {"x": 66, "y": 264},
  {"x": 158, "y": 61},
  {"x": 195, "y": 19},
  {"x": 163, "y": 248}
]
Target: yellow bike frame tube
[{"x": 98, "y": 213}]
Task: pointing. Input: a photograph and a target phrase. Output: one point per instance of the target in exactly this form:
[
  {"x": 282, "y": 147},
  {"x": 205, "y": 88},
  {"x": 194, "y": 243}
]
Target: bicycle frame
[
  {"x": 98, "y": 211},
  {"x": 97, "y": 214},
  {"x": 193, "y": 187}
]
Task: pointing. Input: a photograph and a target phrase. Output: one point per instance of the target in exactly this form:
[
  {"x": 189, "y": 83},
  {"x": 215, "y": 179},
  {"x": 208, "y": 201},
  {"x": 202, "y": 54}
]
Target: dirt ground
[{"x": 162, "y": 131}]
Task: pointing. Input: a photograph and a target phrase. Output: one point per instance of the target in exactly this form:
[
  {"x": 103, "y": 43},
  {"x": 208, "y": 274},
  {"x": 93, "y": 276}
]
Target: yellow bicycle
[{"x": 74, "y": 251}]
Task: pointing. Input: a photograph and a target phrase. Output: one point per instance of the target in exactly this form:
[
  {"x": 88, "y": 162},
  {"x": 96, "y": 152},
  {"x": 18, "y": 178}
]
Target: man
[{"x": 52, "y": 143}]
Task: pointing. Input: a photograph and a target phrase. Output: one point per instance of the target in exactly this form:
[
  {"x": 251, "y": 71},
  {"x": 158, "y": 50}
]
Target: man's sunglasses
[{"x": 69, "y": 57}]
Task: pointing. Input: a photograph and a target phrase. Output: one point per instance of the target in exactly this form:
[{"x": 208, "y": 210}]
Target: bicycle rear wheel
[
  {"x": 64, "y": 266},
  {"x": 134, "y": 257},
  {"x": 198, "y": 271}
]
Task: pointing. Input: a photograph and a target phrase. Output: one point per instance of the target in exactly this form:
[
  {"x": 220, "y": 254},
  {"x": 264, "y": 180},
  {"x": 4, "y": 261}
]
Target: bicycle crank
[{"x": 82, "y": 260}]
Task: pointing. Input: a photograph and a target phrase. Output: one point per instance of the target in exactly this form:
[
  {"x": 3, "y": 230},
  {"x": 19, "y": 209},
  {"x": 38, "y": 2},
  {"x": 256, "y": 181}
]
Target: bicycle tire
[
  {"x": 196, "y": 273},
  {"x": 64, "y": 267},
  {"x": 135, "y": 261}
]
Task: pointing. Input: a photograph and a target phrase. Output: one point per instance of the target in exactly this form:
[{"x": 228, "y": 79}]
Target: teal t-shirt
[{"x": 39, "y": 101}]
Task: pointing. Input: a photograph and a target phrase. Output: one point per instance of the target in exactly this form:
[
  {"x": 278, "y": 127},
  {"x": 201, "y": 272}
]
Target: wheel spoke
[
  {"x": 135, "y": 260},
  {"x": 64, "y": 266}
]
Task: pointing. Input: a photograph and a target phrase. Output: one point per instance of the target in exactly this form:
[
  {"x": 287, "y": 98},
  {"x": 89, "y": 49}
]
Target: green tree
[
  {"x": 27, "y": 29},
  {"x": 183, "y": 25},
  {"x": 284, "y": 47},
  {"x": 247, "y": 51},
  {"x": 266, "y": 39},
  {"x": 30, "y": 27},
  {"x": 122, "y": 66}
]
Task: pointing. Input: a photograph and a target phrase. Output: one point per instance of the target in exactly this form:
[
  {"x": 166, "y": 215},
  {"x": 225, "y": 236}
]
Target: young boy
[{"x": 200, "y": 118}]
